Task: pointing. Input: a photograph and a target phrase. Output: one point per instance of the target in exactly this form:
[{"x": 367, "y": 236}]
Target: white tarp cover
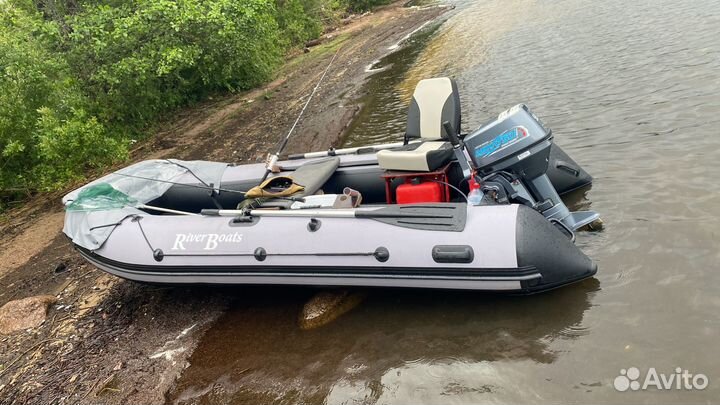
[{"x": 89, "y": 222}]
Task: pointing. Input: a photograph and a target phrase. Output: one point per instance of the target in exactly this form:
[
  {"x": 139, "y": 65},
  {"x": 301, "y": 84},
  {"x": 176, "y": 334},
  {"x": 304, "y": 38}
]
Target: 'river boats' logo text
[{"x": 209, "y": 241}]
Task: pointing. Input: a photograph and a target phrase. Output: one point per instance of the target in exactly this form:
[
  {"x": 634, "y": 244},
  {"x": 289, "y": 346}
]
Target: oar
[
  {"x": 327, "y": 213},
  {"x": 385, "y": 212},
  {"x": 450, "y": 217},
  {"x": 346, "y": 151},
  {"x": 324, "y": 213}
]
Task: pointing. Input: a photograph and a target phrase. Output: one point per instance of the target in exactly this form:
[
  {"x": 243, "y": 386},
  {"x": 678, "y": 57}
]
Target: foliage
[
  {"x": 297, "y": 19},
  {"x": 46, "y": 137},
  {"x": 78, "y": 78},
  {"x": 141, "y": 58},
  {"x": 364, "y": 5}
]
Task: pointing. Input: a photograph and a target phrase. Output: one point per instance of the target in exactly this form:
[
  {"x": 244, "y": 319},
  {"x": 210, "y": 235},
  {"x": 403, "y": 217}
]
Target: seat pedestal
[{"x": 440, "y": 174}]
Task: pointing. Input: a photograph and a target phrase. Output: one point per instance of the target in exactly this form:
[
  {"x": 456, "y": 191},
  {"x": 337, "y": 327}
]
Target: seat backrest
[{"x": 434, "y": 102}]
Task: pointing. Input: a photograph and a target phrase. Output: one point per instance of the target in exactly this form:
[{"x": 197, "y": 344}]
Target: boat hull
[{"x": 504, "y": 248}]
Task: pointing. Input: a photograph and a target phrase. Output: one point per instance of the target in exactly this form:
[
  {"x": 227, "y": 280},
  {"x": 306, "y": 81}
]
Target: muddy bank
[{"x": 111, "y": 341}]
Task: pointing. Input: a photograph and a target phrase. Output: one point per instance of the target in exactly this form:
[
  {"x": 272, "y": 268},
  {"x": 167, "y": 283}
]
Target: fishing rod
[{"x": 273, "y": 159}]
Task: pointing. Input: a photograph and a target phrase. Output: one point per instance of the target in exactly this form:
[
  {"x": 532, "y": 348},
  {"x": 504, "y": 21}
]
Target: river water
[{"x": 632, "y": 92}]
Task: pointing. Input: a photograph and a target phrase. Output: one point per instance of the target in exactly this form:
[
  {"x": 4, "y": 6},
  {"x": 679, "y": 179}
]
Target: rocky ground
[{"x": 105, "y": 340}]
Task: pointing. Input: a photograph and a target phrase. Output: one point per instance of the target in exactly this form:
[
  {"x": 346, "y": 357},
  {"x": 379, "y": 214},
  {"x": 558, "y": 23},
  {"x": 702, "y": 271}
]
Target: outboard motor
[{"x": 511, "y": 157}]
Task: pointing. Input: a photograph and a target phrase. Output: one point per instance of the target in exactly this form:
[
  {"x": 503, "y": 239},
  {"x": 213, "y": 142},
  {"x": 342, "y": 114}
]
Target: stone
[
  {"x": 326, "y": 306},
  {"x": 25, "y": 313}
]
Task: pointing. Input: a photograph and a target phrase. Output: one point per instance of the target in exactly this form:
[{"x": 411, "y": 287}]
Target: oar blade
[{"x": 430, "y": 217}]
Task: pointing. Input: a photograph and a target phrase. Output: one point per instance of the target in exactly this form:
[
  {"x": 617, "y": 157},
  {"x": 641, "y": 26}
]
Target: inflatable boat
[{"x": 441, "y": 209}]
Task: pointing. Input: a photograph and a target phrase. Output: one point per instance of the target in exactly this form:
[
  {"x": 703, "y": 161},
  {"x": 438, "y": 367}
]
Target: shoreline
[{"x": 112, "y": 341}]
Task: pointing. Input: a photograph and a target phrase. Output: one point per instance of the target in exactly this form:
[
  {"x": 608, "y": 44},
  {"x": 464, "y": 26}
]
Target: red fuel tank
[{"x": 409, "y": 193}]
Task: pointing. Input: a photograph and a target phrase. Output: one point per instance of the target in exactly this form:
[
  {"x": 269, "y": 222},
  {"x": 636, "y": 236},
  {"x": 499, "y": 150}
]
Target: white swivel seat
[{"x": 434, "y": 101}]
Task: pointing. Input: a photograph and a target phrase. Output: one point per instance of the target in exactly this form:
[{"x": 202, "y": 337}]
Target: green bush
[
  {"x": 70, "y": 144},
  {"x": 141, "y": 58},
  {"x": 78, "y": 78},
  {"x": 364, "y": 5},
  {"x": 298, "y": 20},
  {"x": 37, "y": 89}
]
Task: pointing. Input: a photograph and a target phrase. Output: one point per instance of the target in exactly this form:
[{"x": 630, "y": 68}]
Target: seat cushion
[
  {"x": 416, "y": 156},
  {"x": 434, "y": 102}
]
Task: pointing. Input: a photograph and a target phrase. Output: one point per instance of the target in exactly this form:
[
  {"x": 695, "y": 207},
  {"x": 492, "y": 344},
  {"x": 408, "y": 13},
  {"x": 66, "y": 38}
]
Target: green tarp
[{"x": 99, "y": 197}]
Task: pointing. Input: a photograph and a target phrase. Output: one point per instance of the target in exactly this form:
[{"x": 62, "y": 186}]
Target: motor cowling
[{"x": 513, "y": 152}]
